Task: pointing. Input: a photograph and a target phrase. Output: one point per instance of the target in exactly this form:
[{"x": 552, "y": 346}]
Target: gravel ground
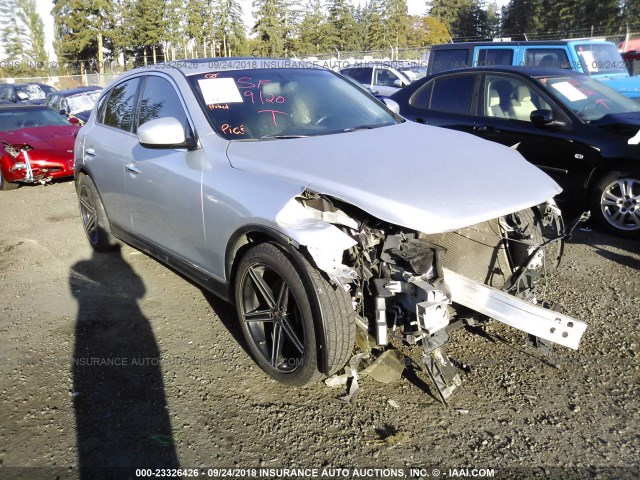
[{"x": 205, "y": 404}]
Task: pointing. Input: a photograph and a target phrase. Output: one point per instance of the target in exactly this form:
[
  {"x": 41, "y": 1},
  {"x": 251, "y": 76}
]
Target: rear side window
[
  {"x": 422, "y": 97},
  {"x": 6, "y": 94},
  {"x": 490, "y": 57},
  {"x": 453, "y": 94},
  {"x": 52, "y": 102},
  {"x": 444, "y": 60},
  {"x": 362, "y": 75},
  {"x": 546, "y": 57},
  {"x": 120, "y": 105},
  {"x": 159, "y": 100}
]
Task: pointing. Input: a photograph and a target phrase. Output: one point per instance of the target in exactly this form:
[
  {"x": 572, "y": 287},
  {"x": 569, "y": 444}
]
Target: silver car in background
[{"x": 285, "y": 189}]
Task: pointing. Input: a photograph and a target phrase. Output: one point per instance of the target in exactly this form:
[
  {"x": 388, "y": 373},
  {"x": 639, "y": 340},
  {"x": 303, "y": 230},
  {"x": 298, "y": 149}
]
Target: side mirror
[
  {"x": 398, "y": 83},
  {"x": 544, "y": 118},
  {"x": 165, "y": 132},
  {"x": 392, "y": 105},
  {"x": 74, "y": 121}
]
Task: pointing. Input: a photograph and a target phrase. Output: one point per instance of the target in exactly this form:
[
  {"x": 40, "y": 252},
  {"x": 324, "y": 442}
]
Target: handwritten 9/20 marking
[{"x": 249, "y": 85}]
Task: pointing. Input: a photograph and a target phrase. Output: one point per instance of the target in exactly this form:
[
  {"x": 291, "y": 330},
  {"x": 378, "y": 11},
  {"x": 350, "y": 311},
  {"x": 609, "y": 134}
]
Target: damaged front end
[
  {"x": 20, "y": 167},
  {"x": 418, "y": 288}
]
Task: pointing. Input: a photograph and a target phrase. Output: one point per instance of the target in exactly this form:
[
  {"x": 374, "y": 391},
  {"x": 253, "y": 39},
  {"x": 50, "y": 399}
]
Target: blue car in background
[{"x": 599, "y": 59}]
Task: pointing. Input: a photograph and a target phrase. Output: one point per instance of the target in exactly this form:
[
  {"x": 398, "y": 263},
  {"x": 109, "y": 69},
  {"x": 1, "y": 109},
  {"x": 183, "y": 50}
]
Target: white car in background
[{"x": 381, "y": 78}]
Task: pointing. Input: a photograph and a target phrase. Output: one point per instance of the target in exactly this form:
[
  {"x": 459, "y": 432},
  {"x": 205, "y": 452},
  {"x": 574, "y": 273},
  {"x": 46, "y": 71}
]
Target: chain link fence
[
  {"x": 57, "y": 78},
  {"x": 64, "y": 82}
]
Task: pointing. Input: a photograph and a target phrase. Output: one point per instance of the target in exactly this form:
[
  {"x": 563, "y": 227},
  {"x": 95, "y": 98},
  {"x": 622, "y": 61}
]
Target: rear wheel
[
  {"x": 284, "y": 305},
  {"x": 615, "y": 202},
  {"x": 94, "y": 218},
  {"x": 4, "y": 185}
]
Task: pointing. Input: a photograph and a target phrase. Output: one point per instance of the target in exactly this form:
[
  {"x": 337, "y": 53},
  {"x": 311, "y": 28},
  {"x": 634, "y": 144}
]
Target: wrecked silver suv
[{"x": 319, "y": 212}]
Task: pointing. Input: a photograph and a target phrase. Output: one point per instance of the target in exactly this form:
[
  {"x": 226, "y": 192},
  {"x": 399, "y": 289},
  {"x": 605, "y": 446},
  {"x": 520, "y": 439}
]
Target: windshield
[
  {"x": 589, "y": 98},
  {"x": 601, "y": 58},
  {"x": 15, "y": 119},
  {"x": 277, "y": 103},
  {"x": 32, "y": 92},
  {"x": 83, "y": 101}
]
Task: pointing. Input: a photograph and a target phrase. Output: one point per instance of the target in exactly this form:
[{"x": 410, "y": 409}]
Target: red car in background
[{"x": 36, "y": 145}]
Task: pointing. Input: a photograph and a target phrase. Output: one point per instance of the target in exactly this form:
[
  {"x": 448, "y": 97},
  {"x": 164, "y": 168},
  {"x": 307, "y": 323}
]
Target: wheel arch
[
  {"x": 251, "y": 235},
  {"x": 603, "y": 168}
]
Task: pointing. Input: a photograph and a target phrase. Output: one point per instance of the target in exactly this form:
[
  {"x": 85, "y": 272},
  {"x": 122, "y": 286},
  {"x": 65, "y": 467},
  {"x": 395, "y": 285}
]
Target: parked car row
[
  {"x": 318, "y": 211},
  {"x": 74, "y": 103},
  {"x": 38, "y": 125}
]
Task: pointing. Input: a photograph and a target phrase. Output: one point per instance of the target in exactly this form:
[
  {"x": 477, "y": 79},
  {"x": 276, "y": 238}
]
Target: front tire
[
  {"x": 282, "y": 301},
  {"x": 615, "y": 202},
  {"x": 4, "y": 185},
  {"x": 94, "y": 218}
]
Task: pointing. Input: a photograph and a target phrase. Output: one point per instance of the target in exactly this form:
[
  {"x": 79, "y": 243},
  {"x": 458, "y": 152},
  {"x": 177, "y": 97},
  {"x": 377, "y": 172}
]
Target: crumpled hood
[
  {"x": 58, "y": 137},
  {"x": 424, "y": 178}
]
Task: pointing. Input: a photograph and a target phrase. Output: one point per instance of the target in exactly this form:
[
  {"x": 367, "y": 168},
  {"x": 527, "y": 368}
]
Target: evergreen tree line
[
  {"x": 22, "y": 36},
  {"x": 536, "y": 18},
  {"x": 94, "y": 32},
  {"x": 90, "y": 32}
]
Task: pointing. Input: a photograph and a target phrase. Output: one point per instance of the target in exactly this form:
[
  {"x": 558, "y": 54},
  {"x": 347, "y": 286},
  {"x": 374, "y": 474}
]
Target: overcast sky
[{"x": 416, "y": 7}]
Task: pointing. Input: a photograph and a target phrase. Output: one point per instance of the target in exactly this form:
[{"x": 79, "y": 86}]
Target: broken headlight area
[{"x": 418, "y": 288}]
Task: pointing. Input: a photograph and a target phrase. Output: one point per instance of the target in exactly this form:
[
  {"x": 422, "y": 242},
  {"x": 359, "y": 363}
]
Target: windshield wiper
[
  {"x": 274, "y": 137},
  {"x": 366, "y": 127}
]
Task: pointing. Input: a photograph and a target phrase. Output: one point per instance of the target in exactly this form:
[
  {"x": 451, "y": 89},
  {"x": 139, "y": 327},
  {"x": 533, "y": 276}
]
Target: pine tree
[
  {"x": 522, "y": 16},
  {"x": 149, "y": 27},
  {"x": 396, "y": 14},
  {"x": 200, "y": 24},
  {"x": 493, "y": 20},
  {"x": 12, "y": 34},
  {"x": 447, "y": 11},
  {"x": 341, "y": 26},
  {"x": 34, "y": 34},
  {"x": 313, "y": 29},
  {"x": 81, "y": 25},
  {"x": 373, "y": 25},
  {"x": 228, "y": 27},
  {"x": 269, "y": 27},
  {"x": 175, "y": 18}
]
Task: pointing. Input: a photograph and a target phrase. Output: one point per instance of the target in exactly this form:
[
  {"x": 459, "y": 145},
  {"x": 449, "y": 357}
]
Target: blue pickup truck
[{"x": 597, "y": 58}]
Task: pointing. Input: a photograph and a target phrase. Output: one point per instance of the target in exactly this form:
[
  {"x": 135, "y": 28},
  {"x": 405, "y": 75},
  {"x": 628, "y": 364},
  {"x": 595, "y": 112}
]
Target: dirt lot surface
[{"x": 115, "y": 360}]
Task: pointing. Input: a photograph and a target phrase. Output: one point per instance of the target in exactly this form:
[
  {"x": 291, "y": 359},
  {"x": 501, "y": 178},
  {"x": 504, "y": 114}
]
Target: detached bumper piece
[{"x": 540, "y": 322}]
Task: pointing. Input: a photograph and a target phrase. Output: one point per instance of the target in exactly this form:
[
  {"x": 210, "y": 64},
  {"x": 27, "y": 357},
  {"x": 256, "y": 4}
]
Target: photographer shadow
[{"x": 122, "y": 419}]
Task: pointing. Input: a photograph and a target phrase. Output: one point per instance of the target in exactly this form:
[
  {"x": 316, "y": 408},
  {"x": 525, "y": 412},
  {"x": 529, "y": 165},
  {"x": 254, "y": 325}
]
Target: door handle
[
  {"x": 90, "y": 151},
  {"x": 131, "y": 167},
  {"x": 421, "y": 120}
]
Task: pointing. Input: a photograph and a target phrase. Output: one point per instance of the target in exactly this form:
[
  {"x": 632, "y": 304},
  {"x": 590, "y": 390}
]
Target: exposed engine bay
[{"x": 418, "y": 288}]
